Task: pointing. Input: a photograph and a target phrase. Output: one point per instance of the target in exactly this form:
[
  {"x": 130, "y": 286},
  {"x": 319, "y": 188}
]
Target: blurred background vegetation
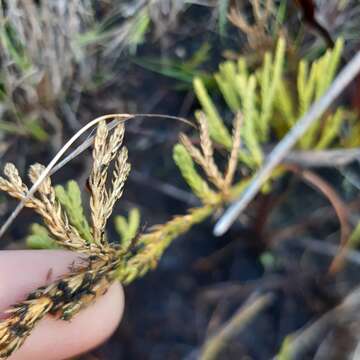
[{"x": 267, "y": 288}]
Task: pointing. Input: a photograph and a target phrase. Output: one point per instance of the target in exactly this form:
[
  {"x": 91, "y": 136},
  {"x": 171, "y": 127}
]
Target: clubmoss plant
[
  {"x": 259, "y": 114},
  {"x": 270, "y": 106},
  {"x": 101, "y": 262},
  {"x": 257, "y": 33},
  {"x": 94, "y": 274},
  {"x": 128, "y": 228}
]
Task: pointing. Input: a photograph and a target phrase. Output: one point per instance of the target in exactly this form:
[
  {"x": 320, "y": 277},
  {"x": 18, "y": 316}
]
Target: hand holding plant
[{"x": 22, "y": 271}]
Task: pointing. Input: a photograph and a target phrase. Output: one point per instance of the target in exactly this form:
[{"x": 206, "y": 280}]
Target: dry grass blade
[
  {"x": 261, "y": 14},
  {"x": 340, "y": 208},
  {"x": 239, "y": 21},
  {"x": 299, "y": 344},
  {"x": 53, "y": 162},
  {"x": 217, "y": 342},
  {"x": 256, "y": 32},
  {"x": 323, "y": 158},
  {"x": 118, "y": 117}
]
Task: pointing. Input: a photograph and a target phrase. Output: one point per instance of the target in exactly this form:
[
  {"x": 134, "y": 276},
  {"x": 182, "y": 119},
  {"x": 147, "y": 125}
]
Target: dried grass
[
  {"x": 46, "y": 35},
  {"x": 257, "y": 33}
]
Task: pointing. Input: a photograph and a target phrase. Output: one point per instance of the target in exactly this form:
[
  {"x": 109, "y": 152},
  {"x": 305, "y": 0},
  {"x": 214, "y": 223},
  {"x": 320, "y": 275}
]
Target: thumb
[{"x": 23, "y": 271}]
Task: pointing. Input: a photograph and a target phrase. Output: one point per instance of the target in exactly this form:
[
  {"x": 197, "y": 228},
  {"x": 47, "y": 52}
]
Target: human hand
[{"x": 23, "y": 271}]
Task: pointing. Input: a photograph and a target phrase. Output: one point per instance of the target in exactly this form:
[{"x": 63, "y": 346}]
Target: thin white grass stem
[
  {"x": 110, "y": 126},
  {"x": 52, "y": 168},
  {"x": 215, "y": 345},
  {"x": 52, "y": 163}
]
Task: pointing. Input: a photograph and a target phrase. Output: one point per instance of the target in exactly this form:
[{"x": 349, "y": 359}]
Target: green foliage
[
  {"x": 29, "y": 127},
  {"x": 267, "y": 260},
  {"x": 280, "y": 16},
  {"x": 138, "y": 29},
  {"x": 33, "y": 128},
  {"x": 285, "y": 350},
  {"x": 217, "y": 128},
  {"x": 197, "y": 184},
  {"x": 39, "y": 238},
  {"x": 13, "y": 47},
  {"x": 222, "y": 17},
  {"x": 155, "y": 242},
  {"x": 252, "y": 93},
  {"x": 269, "y": 105},
  {"x": 333, "y": 127},
  {"x": 114, "y": 33},
  {"x": 183, "y": 71},
  {"x": 128, "y": 228},
  {"x": 354, "y": 239},
  {"x": 269, "y": 109},
  {"x": 70, "y": 198},
  {"x": 312, "y": 82}
]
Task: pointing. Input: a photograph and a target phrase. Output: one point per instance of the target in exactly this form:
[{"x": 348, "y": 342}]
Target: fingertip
[
  {"x": 23, "y": 271},
  {"x": 56, "y": 339}
]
